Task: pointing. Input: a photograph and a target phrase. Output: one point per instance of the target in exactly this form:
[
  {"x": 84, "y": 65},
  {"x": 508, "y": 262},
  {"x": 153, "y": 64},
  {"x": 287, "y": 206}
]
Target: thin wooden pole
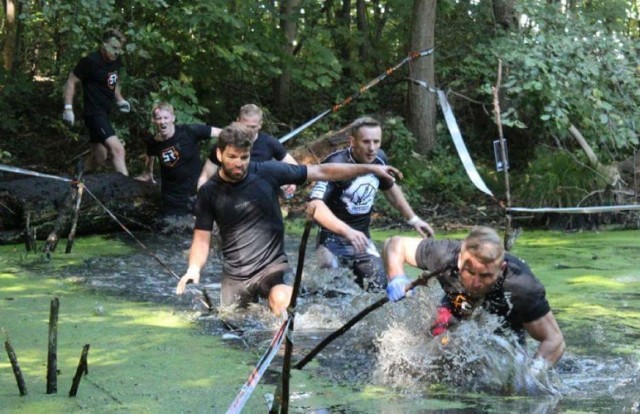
[
  {"x": 422, "y": 280},
  {"x": 503, "y": 154},
  {"x": 15, "y": 366},
  {"x": 52, "y": 357},
  {"x": 74, "y": 224},
  {"x": 281, "y": 397},
  {"x": 83, "y": 368}
]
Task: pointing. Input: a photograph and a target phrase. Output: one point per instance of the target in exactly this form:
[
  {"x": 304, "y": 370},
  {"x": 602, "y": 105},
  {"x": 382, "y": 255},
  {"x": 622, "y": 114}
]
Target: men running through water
[
  {"x": 343, "y": 209},
  {"x": 242, "y": 199}
]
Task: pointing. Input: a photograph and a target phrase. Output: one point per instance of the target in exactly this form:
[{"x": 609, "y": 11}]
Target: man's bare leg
[
  {"x": 117, "y": 151},
  {"x": 96, "y": 157},
  {"x": 279, "y": 298}
]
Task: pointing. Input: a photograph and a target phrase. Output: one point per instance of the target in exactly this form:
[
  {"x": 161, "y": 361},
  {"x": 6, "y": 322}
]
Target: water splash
[{"x": 469, "y": 358}]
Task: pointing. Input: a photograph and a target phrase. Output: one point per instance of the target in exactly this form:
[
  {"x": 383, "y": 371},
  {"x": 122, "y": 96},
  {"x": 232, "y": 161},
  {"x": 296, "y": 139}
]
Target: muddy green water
[{"x": 151, "y": 355}]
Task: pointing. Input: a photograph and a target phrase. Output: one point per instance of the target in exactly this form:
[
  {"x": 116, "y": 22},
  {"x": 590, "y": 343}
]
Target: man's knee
[
  {"x": 115, "y": 146},
  {"x": 279, "y": 298},
  {"x": 326, "y": 259}
]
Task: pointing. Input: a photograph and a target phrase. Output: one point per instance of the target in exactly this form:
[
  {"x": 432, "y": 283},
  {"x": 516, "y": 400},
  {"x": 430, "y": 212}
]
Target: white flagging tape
[
  {"x": 454, "y": 130},
  {"x": 575, "y": 210},
  {"x": 261, "y": 367}
]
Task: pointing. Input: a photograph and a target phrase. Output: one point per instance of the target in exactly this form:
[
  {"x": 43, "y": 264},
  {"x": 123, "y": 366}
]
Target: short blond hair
[
  {"x": 485, "y": 244},
  {"x": 250, "y": 110},
  {"x": 158, "y": 106}
]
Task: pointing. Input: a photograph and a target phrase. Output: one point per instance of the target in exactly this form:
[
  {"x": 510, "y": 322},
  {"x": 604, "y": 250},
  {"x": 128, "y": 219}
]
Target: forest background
[{"x": 569, "y": 90}]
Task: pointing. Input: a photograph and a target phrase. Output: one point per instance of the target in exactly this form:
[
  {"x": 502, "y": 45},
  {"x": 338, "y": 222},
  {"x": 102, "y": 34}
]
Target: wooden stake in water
[
  {"x": 14, "y": 365},
  {"x": 52, "y": 357},
  {"x": 83, "y": 368}
]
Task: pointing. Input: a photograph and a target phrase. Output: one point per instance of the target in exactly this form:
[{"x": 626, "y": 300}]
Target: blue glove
[{"x": 395, "y": 288}]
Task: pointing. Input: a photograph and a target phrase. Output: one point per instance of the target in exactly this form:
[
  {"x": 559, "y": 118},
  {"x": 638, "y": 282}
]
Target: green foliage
[
  {"x": 438, "y": 178},
  {"x": 565, "y": 68},
  {"x": 555, "y": 179}
]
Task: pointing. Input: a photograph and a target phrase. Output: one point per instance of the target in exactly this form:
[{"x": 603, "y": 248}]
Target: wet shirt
[
  {"x": 99, "y": 79},
  {"x": 264, "y": 148},
  {"x": 351, "y": 200},
  {"x": 180, "y": 164},
  {"x": 518, "y": 296},
  {"x": 248, "y": 215}
]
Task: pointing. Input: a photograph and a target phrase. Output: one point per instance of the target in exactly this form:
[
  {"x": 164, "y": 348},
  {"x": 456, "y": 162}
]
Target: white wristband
[
  {"x": 67, "y": 106},
  {"x": 413, "y": 220}
]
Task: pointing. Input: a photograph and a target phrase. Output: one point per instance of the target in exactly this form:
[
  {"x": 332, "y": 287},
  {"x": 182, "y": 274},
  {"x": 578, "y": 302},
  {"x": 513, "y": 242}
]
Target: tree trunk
[
  {"x": 288, "y": 24},
  {"x": 505, "y": 14},
  {"x": 10, "y": 34},
  {"x": 342, "y": 34},
  {"x": 421, "y": 104},
  {"x": 134, "y": 203},
  {"x": 363, "y": 28}
]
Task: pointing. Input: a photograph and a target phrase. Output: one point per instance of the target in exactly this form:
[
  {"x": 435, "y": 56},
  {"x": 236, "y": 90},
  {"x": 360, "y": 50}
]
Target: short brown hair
[
  {"x": 235, "y": 135},
  {"x": 485, "y": 244},
  {"x": 363, "y": 121},
  {"x": 111, "y": 32}
]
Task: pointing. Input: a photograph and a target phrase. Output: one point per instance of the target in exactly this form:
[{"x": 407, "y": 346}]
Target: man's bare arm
[
  {"x": 197, "y": 259},
  {"x": 397, "y": 199},
  {"x": 341, "y": 172},
  {"x": 547, "y": 332}
]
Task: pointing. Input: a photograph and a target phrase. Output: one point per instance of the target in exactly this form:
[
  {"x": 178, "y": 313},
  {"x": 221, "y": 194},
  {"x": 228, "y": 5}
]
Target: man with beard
[
  {"x": 242, "y": 199},
  {"x": 178, "y": 149},
  {"x": 265, "y": 147},
  {"x": 99, "y": 73},
  {"x": 479, "y": 273},
  {"x": 343, "y": 209}
]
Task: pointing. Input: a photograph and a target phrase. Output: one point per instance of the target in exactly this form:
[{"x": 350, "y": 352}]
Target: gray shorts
[{"x": 243, "y": 292}]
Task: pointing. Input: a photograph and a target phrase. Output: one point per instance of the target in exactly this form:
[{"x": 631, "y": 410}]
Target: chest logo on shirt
[
  {"x": 359, "y": 197},
  {"x": 170, "y": 156},
  {"x": 112, "y": 80}
]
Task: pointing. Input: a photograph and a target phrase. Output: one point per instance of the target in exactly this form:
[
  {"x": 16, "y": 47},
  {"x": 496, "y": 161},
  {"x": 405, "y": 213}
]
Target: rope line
[{"x": 388, "y": 72}]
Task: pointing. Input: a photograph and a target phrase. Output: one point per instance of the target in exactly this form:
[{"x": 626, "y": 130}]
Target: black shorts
[
  {"x": 243, "y": 292},
  {"x": 99, "y": 128}
]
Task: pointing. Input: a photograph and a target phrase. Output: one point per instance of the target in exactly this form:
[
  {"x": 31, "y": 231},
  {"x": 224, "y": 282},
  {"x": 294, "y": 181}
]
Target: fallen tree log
[{"x": 41, "y": 200}]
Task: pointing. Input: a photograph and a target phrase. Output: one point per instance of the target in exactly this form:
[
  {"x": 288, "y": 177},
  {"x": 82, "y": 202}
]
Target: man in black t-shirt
[
  {"x": 242, "y": 199},
  {"x": 343, "y": 209},
  {"x": 478, "y": 274},
  {"x": 265, "y": 147},
  {"x": 178, "y": 149},
  {"x": 99, "y": 73}
]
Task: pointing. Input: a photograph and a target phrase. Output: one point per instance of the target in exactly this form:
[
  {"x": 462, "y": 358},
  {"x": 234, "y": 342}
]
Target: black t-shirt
[
  {"x": 180, "y": 164},
  {"x": 248, "y": 215},
  {"x": 351, "y": 200},
  {"x": 518, "y": 295},
  {"x": 264, "y": 148},
  {"x": 99, "y": 79}
]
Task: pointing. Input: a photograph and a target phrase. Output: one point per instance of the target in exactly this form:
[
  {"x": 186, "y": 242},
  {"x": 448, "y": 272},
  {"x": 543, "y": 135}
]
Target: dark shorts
[
  {"x": 367, "y": 267},
  {"x": 244, "y": 292},
  {"x": 99, "y": 128}
]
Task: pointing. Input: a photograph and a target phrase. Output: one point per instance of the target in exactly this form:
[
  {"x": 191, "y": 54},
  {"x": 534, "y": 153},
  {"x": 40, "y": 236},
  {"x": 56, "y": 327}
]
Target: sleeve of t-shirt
[
  {"x": 277, "y": 149},
  {"x": 83, "y": 68},
  {"x": 322, "y": 190},
  {"x": 528, "y": 295},
  {"x": 205, "y": 215},
  {"x": 200, "y": 131},
  {"x": 436, "y": 254},
  {"x": 282, "y": 173}
]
